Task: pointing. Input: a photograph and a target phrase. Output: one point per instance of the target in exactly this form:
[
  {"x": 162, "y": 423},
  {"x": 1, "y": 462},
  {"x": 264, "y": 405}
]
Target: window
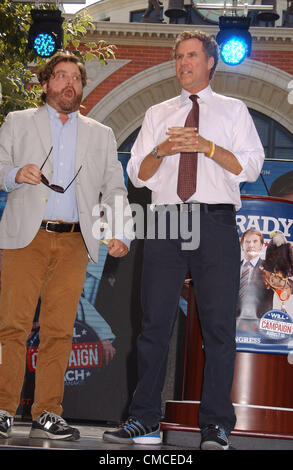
[
  {"x": 136, "y": 16},
  {"x": 192, "y": 17},
  {"x": 277, "y": 141},
  {"x": 287, "y": 18},
  {"x": 128, "y": 143}
]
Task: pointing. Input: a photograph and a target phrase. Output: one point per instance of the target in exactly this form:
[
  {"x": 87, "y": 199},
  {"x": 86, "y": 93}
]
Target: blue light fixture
[
  {"x": 44, "y": 44},
  {"x": 233, "y": 39},
  {"x": 233, "y": 51},
  {"x": 46, "y": 33}
]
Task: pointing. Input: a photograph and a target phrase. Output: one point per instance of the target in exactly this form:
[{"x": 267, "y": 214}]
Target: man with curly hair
[{"x": 55, "y": 165}]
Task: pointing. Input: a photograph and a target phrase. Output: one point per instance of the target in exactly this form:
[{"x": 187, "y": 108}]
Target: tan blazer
[{"x": 25, "y": 138}]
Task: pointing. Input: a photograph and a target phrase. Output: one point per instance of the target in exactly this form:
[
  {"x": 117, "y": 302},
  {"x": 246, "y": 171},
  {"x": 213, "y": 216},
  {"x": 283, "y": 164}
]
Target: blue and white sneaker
[
  {"x": 214, "y": 437},
  {"x": 134, "y": 432},
  {"x": 6, "y": 422}
]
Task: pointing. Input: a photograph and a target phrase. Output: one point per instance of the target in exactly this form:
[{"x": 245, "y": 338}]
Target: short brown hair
[
  {"x": 209, "y": 43},
  {"x": 252, "y": 231},
  {"x": 46, "y": 70}
]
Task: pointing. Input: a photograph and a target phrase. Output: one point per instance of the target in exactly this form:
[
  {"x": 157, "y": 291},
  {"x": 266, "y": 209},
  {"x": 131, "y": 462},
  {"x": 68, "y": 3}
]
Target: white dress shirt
[{"x": 223, "y": 120}]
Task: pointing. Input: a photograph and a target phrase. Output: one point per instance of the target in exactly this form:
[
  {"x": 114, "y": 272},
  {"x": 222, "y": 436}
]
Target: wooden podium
[{"x": 262, "y": 390}]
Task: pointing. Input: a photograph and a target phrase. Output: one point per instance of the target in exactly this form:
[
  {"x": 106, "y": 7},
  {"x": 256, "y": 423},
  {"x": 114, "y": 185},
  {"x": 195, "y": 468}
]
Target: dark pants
[{"x": 215, "y": 267}]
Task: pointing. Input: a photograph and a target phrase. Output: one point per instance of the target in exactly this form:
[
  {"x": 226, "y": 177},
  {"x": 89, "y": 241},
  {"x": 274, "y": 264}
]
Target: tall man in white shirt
[
  {"x": 55, "y": 165},
  {"x": 229, "y": 151}
]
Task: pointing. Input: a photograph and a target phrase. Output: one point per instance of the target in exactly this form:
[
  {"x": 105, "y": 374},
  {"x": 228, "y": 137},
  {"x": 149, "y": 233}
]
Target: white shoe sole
[
  {"x": 153, "y": 440},
  {"x": 212, "y": 445},
  {"x": 40, "y": 434},
  {"x": 140, "y": 440}
]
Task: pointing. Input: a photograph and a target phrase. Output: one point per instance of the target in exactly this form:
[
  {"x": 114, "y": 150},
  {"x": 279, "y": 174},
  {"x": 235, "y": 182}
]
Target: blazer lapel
[
  {"x": 83, "y": 138},
  {"x": 43, "y": 125}
]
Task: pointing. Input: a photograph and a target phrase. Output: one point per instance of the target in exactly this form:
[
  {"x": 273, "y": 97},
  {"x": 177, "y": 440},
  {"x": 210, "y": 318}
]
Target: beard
[{"x": 65, "y": 101}]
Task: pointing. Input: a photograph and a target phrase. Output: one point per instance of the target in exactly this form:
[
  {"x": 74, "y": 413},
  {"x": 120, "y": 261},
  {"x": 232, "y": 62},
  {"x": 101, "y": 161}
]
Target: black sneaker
[
  {"x": 51, "y": 426},
  {"x": 133, "y": 432},
  {"x": 214, "y": 438},
  {"x": 6, "y": 422}
]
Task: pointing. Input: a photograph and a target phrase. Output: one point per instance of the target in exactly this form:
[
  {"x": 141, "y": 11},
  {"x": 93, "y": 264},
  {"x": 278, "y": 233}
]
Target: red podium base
[
  {"x": 261, "y": 406},
  {"x": 262, "y": 390},
  {"x": 251, "y": 421}
]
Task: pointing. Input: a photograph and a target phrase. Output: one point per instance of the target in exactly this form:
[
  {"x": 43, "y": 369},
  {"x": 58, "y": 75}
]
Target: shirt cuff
[
  {"x": 133, "y": 170},
  {"x": 125, "y": 240},
  {"x": 9, "y": 181},
  {"x": 251, "y": 163}
]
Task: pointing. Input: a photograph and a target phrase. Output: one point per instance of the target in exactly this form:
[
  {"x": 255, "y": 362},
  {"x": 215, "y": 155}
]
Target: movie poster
[{"x": 265, "y": 304}]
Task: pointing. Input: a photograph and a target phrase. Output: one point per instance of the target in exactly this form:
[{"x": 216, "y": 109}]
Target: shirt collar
[
  {"x": 204, "y": 95},
  {"x": 253, "y": 262},
  {"x": 53, "y": 113}
]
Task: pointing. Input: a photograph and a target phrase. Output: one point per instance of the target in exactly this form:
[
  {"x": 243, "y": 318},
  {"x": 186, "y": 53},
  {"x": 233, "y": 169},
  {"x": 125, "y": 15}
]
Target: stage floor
[
  {"x": 91, "y": 439},
  {"x": 91, "y": 444}
]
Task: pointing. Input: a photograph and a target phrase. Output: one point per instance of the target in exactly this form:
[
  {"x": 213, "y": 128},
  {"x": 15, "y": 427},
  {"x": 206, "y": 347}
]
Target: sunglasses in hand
[{"x": 55, "y": 187}]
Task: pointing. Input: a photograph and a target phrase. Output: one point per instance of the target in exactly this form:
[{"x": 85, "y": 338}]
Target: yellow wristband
[{"x": 211, "y": 151}]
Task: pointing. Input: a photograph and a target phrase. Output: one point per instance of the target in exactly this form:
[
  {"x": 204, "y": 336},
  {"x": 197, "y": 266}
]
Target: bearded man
[{"x": 56, "y": 165}]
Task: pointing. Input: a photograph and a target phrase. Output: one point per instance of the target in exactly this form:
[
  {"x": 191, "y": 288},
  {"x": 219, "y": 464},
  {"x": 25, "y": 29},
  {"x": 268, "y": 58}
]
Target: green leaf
[
  {"x": 90, "y": 56},
  {"x": 75, "y": 43}
]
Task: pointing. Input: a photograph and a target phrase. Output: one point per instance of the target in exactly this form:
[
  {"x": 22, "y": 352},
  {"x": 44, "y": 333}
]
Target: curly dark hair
[
  {"x": 46, "y": 70},
  {"x": 209, "y": 43}
]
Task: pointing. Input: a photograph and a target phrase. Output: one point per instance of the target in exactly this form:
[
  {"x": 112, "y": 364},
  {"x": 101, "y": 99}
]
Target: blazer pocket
[{"x": 12, "y": 217}]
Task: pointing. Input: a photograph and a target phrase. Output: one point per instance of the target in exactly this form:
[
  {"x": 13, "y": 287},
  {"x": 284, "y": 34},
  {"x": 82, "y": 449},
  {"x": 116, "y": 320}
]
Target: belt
[
  {"x": 190, "y": 206},
  {"x": 55, "y": 226}
]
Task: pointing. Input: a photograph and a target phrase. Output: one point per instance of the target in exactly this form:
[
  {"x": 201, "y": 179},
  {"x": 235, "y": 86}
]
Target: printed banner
[
  {"x": 265, "y": 305},
  {"x": 275, "y": 174}
]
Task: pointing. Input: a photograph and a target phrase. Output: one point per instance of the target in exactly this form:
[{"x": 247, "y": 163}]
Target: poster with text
[{"x": 265, "y": 304}]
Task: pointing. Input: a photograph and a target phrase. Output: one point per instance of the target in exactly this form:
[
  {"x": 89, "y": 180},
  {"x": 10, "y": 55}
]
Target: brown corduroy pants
[{"x": 52, "y": 267}]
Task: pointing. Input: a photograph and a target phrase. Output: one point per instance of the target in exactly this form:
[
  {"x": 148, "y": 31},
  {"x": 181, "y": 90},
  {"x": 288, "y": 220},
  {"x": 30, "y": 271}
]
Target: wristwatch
[{"x": 155, "y": 152}]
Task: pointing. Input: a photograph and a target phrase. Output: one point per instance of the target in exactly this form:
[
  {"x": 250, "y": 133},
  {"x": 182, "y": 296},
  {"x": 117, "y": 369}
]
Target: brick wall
[{"x": 280, "y": 59}]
